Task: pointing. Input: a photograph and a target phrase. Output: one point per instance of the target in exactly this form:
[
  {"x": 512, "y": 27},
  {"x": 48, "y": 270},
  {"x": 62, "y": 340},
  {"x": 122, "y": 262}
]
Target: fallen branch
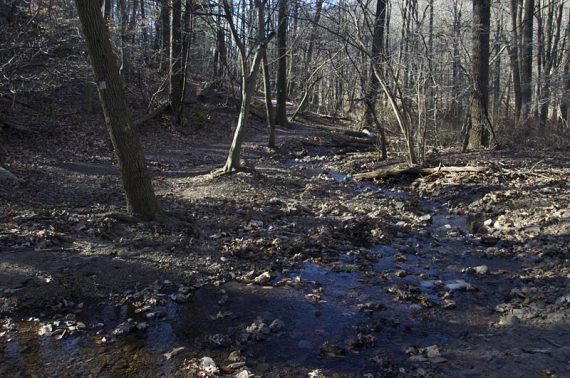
[
  {"x": 153, "y": 114},
  {"x": 399, "y": 171}
]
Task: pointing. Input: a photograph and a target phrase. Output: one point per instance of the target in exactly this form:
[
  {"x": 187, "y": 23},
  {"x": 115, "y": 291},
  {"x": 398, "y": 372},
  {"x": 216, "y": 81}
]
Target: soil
[{"x": 291, "y": 262}]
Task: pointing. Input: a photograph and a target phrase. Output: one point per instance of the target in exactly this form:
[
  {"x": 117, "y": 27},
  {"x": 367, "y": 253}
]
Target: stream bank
[{"x": 298, "y": 267}]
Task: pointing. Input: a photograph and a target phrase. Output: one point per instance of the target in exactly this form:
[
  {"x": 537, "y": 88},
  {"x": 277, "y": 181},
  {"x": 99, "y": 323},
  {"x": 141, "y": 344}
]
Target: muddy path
[{"x": 291, "y": 268}]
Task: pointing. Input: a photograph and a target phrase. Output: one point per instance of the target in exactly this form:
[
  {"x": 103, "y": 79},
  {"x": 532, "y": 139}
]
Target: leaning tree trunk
[
  {"x": 478, "y": 134},
  {"x": 268, "y": 101},
  {"x": 281, "y": 111},
  {"x": 248, "y": 81},
  {"x": 141, "y": 200}
]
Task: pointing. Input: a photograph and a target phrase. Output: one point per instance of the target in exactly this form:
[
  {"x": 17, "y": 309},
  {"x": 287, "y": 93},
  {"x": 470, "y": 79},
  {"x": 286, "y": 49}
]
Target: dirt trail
[{"x": 304, "y": 270}]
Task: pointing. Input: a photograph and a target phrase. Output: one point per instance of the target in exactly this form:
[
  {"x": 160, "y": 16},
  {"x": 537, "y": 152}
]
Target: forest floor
[{"x": 290, "y": 268}]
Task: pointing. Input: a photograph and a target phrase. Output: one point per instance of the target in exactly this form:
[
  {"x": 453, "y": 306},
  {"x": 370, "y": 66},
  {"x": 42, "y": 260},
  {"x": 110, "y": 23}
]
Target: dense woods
[
  {"x": 292, "y": 188},
  {"x": 403, "y": 69}
]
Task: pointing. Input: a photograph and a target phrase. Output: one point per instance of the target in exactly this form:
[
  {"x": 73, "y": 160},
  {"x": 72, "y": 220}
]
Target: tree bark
[
  {"x": 478, "y": 134},
  {"x": 124, "y": 69},
  {"x": 176, "y": 71},
  {"x": 141, "y": 200},
  {"x": 248, "y": 81},
  {"x": 281, "y": 111},
  {"x": 514, "y": 52},
  {"x": 526, "y": 60},
  {"x": 376, "y": 60},
  {"x": 268, "y": 101},
  {"x": 565, "y": 102}
]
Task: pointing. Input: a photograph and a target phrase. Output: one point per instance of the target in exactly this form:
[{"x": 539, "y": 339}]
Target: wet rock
[
  {"x": 313, "y": 298},
  {"x": 208, "y": 365},
  {"x": 509, "y": 320},
  {"x": 362, "y": 340},
  {"x": 124, "y": 328},
  {"x": 503, "y": 307},
  {"x": 236, "y": 356},
  {"x": 401, "y": 273},
  {"x": 262, "y": 279},
  {"x": 430, "y": 354},
  {"x": 480, "y": 269},
  {"x": 277, "y": 325},
  {"x": 331, "y": 350},
  {"x": 258, "y": 330},
  {"x": 370, "y": 306},
  {"x": 46, "y": 330},
  {"x": 180, "y": 298},
  {"x": 345, "y": 268},
  {"x": 317, "y": 373},
  {"x": 244, "y": 374},
  {"x": 459, "y": 285}
]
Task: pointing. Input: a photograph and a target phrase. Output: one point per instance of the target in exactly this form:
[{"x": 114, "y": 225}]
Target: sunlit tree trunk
[
  {"x": 376, "y": 60},
  {"x": 526, "y": 60},
  {"x": 281, "y": 111},
  {"x": 478, "y": 134},
  {"x": 141, "y": 200}
]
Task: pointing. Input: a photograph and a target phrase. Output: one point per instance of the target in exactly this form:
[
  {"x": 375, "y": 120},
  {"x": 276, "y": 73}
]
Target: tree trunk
[
  {"x": 165, "y": 37},
  {"x": 124, "y": 69},
  {"x": 281, "y": 111},
  {"x": 176, "y": 72},
  {"x": 133, "y": 21},
  {"x": 565, "y": 101},
  {"x": 376, "y": 60},
  {"x": 221, "y": 51},
  {"x": 514, "y": 57},
  {"x": 308, "y": 84},
  {"x": 141, "y": 200},
  {"x": 143, "y": 23},
  {"x": 108, "y": 10},
  {"x": 478, "y": 134},
  {"x": 248, "y": 82},
  {"x": 268, "y": 101},
  {"x": 526, "y": 60}
]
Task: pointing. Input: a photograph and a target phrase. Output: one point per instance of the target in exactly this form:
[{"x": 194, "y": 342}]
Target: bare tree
[
  {"x": 480, "y": 124},
  {"x": 141, "y": 200},
  {"x": 281, "y": 111},
  {"x": 249, "y": 71}
]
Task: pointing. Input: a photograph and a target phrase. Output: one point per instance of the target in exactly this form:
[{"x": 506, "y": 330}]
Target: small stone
[
  {"x": 481, "y": 269},
  {"x": 244, "y": 374},
  {"x": 509, "y": 320},
  {"x": 45, "y": 330},
  {"x": 277, "y": 325},
  {"x": 123, "y": 329},
  {"x": 401, "y": 273},
  {"x": 208, "y": 365},
  {"x": 459, "y": 285},
  {"x": 262, "y": 279},
  {"x": 235, "y": 356}
]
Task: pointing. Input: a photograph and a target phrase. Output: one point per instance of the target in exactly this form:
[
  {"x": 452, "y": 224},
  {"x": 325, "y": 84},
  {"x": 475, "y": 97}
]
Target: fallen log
[
  {"x": 399, "y": 171},
  {"x": 155, "y": 113}
]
